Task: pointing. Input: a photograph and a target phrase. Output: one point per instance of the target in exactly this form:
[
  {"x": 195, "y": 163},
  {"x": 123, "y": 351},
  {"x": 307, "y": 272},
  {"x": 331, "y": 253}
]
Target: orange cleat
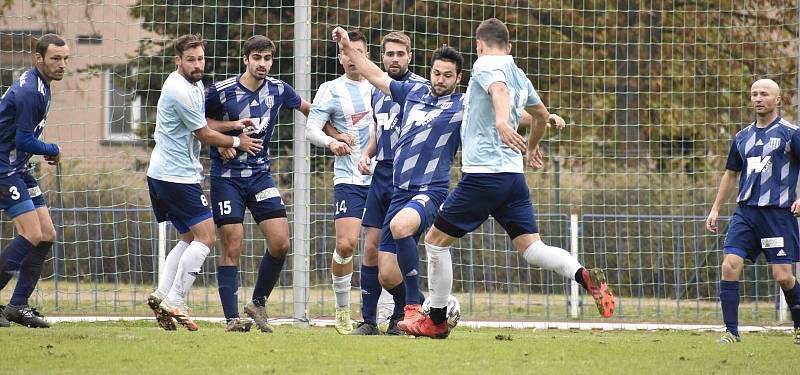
[
  {"x": 598, "y": 287},
  {"x": 412, "y": 313},
  {"x": 181, "y": 315},
  {"x": 426, "y": 327},
  {"x": 162, "y": 316}
]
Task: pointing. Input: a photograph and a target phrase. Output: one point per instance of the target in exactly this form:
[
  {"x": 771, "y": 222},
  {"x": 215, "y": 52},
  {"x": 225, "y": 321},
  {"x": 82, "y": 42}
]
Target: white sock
[
  {"x": 341, "y": 288},
  {"x": 191, "y": 262},
  {"x": 552, "y": 259},
  {"x": 167, "y": 275},
  {"x": 385, "y": 306},
  {"x": 440, "y": 274}
]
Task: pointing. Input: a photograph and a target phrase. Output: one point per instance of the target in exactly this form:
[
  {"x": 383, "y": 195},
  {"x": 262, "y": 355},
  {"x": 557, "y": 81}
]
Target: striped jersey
[
  {"x": 429, "y": 136},
  {"x": 769, "y": 160},
  {"x": 483, "y": 151},
  {"x": 180, "y": 112},
  {"x": 230, "y": 100},
  {"x": 347, "y": 105},
  {"x": 387, "y": 119},
  {"x": 23, "y": 107}
]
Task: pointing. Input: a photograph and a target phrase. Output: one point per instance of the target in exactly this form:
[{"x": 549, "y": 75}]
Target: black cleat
[
  {"x": 366, "y": 329},
  {"x": 4, "y": 323},
  {"x": 393, "y": 330},
  {"x": 24, "y": 315}
]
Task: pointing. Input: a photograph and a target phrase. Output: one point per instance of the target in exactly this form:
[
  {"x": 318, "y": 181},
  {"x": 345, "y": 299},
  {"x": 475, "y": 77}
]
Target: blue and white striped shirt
[
  {"x": 769, "y": 160},
  {"x": 347, "y": 105},
  {"x": 230, "y": 100},
  {"x": 387, "y": 117},
  {"x": 429, "y": 136}
]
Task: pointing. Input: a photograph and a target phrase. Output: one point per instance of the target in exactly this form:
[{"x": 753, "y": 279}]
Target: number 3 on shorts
[
  {"x": 340, "y": 207},
  {"x": 14, "y": 192}
]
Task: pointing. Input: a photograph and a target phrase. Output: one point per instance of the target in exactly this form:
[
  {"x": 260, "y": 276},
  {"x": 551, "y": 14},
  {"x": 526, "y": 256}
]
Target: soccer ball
[{"x": 453, "y": 310}]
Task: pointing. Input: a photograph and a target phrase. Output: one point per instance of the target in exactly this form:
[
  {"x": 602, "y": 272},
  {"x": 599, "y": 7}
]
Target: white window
[{"x": 122, "y": 109}]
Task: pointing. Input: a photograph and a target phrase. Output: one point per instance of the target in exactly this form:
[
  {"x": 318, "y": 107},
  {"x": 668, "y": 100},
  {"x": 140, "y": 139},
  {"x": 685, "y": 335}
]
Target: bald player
[{"x": 767, "y": 155}]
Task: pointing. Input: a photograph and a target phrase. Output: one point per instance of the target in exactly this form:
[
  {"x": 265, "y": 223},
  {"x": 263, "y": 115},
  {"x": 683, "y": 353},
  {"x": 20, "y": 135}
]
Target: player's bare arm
[
  {"x": 243, "y": 142},
  {"x": 726, "y": 188},
  {"x": 366, "y": 157},
  {"x": 539, "y": 117},
  {"x": 501, "y": 100},
  {"x": 367, "y": 68}
]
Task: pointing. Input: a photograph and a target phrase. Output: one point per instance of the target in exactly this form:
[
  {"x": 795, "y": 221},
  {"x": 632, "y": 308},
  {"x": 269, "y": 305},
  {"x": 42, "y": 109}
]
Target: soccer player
[
  {"x": 345, "y": 102},
  {"x": 396, "y": 58},
  {"x": 493, "y": 181},
  {"x": 764, "y": 222},
  {"x": 428, "y": 140},
  {"x": 240, "y": 180},
  {"x": 23, "y": 115},
  {"x": 174, "y": 176}
]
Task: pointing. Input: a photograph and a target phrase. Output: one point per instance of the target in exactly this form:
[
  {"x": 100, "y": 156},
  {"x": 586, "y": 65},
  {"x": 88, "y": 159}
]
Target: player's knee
[
  {"x": 389, "y": 280},
  {"x": 785, "y": 279},
  {"x": 33, "y": 235},
  {"x": 401, "y": 228},
  {"x": 48, "y": 234},
  {"x": 729, "y": 271},
  {"x": 345, "y": 246},
  {"x": 280, "y": 248}
]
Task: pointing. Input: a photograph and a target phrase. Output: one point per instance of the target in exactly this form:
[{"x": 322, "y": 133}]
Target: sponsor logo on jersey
[
  {"x": 772, "y": 242},
  {"x": 356, "y": 117}
]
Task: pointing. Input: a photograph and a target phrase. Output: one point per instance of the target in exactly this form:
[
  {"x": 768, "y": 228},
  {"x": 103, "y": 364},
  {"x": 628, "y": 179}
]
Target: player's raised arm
[{"x": 367, "y": 68}]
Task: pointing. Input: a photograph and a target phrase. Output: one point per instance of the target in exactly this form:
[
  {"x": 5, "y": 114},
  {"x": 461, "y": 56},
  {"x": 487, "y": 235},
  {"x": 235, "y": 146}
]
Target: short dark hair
[
  {"x": 358, "y": 36},
  {"x": 46, "y": 40},
  {"x": 188, "y": 41},
  {"x": 397, "y": 37},
  {"x": 450, "y": 54},
  {"x": 492, "y": 32},
  {"x": 257, "y": 43}
]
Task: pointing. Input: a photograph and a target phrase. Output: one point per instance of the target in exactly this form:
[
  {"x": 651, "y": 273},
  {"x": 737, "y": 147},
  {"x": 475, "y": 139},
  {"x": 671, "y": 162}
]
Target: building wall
[{"x": 77, "y": 119}]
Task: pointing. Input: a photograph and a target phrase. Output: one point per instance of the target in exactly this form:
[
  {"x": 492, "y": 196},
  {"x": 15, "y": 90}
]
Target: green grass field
[{"x": 140, "y": 347}]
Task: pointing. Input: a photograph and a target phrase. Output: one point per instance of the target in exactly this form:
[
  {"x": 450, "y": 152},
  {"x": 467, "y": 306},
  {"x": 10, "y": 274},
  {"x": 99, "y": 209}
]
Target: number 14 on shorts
[{"x": 340, "y": 207}]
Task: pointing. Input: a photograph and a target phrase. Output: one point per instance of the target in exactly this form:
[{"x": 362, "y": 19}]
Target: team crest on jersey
[
  {"x": 774, "y": 143},
  {"x": 269, "y": 101},
  {"x": 356, "y": 117}
]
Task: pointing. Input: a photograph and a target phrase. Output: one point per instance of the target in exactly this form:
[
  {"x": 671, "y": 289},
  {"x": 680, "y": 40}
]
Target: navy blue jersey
[
  {"x": 429, "y": 136},
  {"x": 23, "y": 115},
  {"x": 387, "y": 119},
  {"x": 229, "y": 100},
  {"x": 769, "y": 160}
]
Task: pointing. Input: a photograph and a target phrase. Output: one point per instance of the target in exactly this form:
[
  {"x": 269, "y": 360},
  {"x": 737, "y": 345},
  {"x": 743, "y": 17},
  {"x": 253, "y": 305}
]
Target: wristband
[{"x": 236, "y": 142}]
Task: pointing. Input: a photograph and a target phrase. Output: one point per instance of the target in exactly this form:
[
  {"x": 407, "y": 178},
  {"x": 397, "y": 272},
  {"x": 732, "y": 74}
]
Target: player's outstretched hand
[
  {"x": 557, "y": 121},
  {"x": 247, "y": 125},
  {"x": 510, "y": 137},
  {"x": 364, "y": 165},
  {"x": 347, "y": 138},
  {"x": 796, "y": 208},
  {"x": 250, "y": 145},
  {"x": 227, "y": 153},
  {"x": 711, "y": 221},
  {"x": 340, "y": 35},
  {"x": 339, "y": 148},
  {"x": 53, "y": 160},
  {"x": 535, "y": 159}
]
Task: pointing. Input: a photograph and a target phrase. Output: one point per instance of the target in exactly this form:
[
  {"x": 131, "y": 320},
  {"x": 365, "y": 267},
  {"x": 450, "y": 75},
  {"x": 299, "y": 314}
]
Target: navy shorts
[
  {"x": 182, "y": 204},
  {"x": 426, "y": 203},
  {"x": 505, "y": 196},
  {"x": 231, "y": 195},
  {"x": 19, "y": 194},
  {"x": 769, "y": 230},
  {"x": 348, "y": 200},
  {"x": 379, "y": 196}
]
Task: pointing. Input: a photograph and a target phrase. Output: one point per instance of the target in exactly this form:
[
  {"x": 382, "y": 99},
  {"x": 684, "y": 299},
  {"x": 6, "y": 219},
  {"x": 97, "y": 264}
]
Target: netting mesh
[{"x": 653, "y": 93}]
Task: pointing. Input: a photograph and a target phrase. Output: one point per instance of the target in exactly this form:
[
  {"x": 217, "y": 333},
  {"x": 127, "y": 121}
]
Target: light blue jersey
[
  {"x": 347, "y": 105},
  {"x": 181, "y": 111},
  {"x": 482, "y": 149}
]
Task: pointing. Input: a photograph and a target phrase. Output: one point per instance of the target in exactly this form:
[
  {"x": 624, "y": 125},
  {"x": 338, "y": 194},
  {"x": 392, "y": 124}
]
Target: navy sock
[
  {"x": 408, "y": 259},
  {"x": 29, "y": 272},
  {"x": 11, "y": 258},
  {"x": 793, "y": 300},
  {"x": 370, "y": 292},
  {"x": 268, "y": 273},
  {"x": 399, "y": 295},
  {"x": 228, "y": 286},
  {"x": 729, "y": 298}
]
